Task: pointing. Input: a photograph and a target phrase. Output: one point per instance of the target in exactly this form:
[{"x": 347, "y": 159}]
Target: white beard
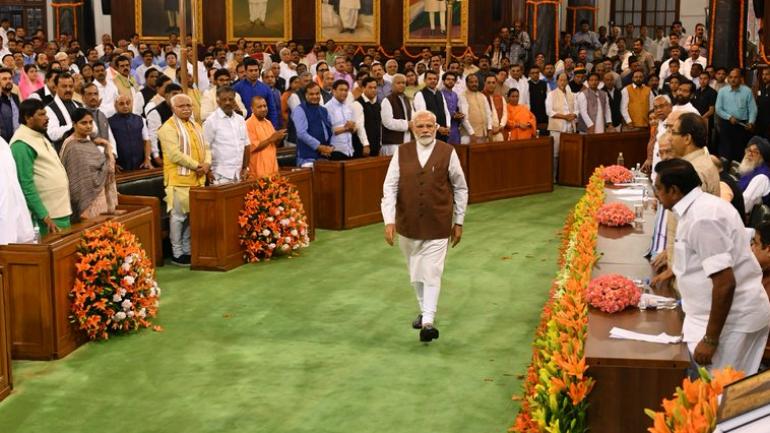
[
  {"x": 426, "y": 141},
  {"x": 747, "y": 166}
]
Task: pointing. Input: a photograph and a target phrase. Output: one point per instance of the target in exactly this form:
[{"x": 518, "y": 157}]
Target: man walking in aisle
[{"x": 424, "y": 200}]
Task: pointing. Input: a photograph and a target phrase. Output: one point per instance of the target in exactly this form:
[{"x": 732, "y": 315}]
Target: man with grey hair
[
  {"x": 396, "y": 115},
  {"x": 287, "y": 68},
  {"x": 186, "y": 163},
  {"x": 391, "y": 69},
  {"x": 424, "y": 201}
]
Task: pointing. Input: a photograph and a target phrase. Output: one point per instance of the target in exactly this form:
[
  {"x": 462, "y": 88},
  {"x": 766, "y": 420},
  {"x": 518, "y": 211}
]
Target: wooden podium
[
  {"x": 214, "y": 211},
  {"x": 40, "y": 278},
  {"x": 580, "y": 154},
  {"x": 507, "y": 169},
  {"x": 348, "y": 193},
  {"x": 5, "y": 342}
]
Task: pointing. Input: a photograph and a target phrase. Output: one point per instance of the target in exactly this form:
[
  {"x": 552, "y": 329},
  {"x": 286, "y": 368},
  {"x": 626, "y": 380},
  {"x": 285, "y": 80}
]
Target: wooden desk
[
  {"x": 580, "y": 154},
  {"x": 214, "y": 211},
  {"x": 5, "y": 342},
  {"x": 40, "y": 278},
  {"x": 348, "y": 193},
  {"x": 507, "y": 169},
  {"x": 630, "y": 375}
]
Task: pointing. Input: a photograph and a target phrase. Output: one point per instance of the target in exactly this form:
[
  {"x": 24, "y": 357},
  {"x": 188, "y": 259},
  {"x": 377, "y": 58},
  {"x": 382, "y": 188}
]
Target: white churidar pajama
[
  {"x": 15, "y": 220},
  {"x": 425, "y": 258},
  {"x": 349, "y": 13}
]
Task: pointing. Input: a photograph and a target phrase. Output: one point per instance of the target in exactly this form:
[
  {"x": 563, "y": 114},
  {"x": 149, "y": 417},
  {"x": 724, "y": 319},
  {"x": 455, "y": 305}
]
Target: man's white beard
[
  {"x": 426, "y": 141},
  {"x": 747, "y": 166}
]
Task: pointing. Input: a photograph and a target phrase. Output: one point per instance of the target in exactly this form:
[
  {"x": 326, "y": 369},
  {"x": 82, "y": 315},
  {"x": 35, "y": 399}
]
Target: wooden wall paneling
[
  {"x": 329, "y": 190},
  {"x": 392, "y": 24},
  {"x": 30, "y": 303},
  {"x": 571, "y": 159},
  {"x": 363, "y": 181},
  {"x": 6, "y": 382},
  {"x": 510, "y": 169},
  {"x": 214, "y": 21},
  {"x": 63, "y": 260},
  {"x": 123, "y": 20}
]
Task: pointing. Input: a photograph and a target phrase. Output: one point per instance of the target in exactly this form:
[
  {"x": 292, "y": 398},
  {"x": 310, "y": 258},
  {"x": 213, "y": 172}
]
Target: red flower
[
  {"x": 272, "y": 220},
  {"x": 115, "y": 289},
  {"x": 615, "y": 215},
  {"x": 617, "y": 174},
  {"x": 612, "y": 293}
]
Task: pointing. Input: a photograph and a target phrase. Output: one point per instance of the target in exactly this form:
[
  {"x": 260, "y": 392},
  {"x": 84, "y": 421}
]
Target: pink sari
[{"x": 28, "y": 87}]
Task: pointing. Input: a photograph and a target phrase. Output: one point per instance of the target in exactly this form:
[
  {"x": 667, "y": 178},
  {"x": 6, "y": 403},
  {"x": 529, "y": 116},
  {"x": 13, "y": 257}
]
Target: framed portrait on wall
[
  {"x": 266, "y": 20},
  {"x": 348, "y": 21},
  {"x": 157, "y": 19},
  {"x": 425, "y": 22}
]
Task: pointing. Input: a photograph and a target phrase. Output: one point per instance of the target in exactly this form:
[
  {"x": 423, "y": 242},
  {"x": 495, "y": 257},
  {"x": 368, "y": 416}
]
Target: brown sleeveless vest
[{"x": 425, "y": 200}]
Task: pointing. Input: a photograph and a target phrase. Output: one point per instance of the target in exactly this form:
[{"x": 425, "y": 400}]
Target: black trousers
[
  {"x": 732, "y": 140},
  {"x": 338, "y": 156}
]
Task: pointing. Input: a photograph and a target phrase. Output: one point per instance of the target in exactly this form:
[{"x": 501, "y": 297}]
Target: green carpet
[{"x": 319, "y": 343}]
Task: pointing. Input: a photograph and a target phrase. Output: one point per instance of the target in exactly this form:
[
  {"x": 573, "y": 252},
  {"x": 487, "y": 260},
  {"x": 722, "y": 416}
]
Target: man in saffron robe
[
  {"x": 521, "y": 122},
  {"x": 264, "y": 139}
]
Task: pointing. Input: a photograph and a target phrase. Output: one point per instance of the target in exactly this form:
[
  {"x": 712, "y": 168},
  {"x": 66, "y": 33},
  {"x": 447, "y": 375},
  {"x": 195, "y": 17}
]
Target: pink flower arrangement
[
  {"x": 612, "y": 293},
  {"x": 617, "y": 174},
  {"x": 615, "y": 215}
]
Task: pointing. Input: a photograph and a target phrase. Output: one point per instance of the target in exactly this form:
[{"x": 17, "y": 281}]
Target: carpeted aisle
[{"x": 319, "y": 343}]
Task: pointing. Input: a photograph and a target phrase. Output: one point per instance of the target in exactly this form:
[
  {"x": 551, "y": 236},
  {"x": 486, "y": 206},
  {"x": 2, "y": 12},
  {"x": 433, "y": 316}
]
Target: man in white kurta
[
  {"x": 424, "y": 200},
  {"x": 349, "y": 14},
  {"x": 257, "y": 11},
  {"x": 727, "y": 312},
  {"x": 225, "y": 131},
  {"x": 15, "y": 220}
]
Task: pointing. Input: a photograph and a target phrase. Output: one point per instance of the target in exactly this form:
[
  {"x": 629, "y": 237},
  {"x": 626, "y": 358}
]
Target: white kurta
[
  {"x": 425, "y": 258},
  {"x": 257, "y": 10},
  {"x": 227, "y": 137},
  {"x": 15, "y": 220}
]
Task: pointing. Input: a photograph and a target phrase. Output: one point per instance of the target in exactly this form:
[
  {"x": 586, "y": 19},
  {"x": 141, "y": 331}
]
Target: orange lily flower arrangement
[
  {"x": 273, "y": 220},
  {"x": 556, "y": 386},
  {"x": 115, "y": 290},
  {"x": 694, "y": 406}
]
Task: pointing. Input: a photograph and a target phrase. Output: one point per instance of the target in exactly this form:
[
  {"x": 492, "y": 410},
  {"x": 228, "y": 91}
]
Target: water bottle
[
  {"x": 35, "y": 233},
  {"x": 621, "y": 161}
]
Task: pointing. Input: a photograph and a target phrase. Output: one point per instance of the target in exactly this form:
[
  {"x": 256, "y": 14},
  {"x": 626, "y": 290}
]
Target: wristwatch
[{"x": 710, "y": 341}]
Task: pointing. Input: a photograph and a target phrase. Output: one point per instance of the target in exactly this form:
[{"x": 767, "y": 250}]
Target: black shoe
[
  {"x": 181, "y": 261},
  {"x": 428, "y": 334},
  {"x": 417, "y": 323},
  {"x": 187, "y": 258}
]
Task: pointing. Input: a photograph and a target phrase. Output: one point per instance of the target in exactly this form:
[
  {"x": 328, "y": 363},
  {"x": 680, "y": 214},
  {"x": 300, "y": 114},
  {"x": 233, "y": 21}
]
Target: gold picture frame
[
  {"x": 367, "y": 27},
  {"x": 419, "y": 37},
  {"x": 232, "y": 35}
]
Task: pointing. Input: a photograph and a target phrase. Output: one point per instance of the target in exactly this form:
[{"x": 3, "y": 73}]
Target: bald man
[
  {"x": 132, "y": 138},
  {"x": 186, "y": 163}
]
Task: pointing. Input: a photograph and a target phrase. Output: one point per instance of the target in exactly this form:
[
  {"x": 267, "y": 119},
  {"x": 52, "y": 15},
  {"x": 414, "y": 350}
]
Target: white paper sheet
[{"x": 625, "y": 334}]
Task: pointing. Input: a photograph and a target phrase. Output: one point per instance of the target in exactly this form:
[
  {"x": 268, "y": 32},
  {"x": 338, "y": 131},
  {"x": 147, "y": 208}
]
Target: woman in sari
[
  {"x": 30, "y": 81},
  {"x": 90, "y": 166},
  {"x": 521, "y": 122}
]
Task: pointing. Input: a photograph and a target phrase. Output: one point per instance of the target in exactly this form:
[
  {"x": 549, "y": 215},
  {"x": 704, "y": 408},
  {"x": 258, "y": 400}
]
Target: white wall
[{"x": 102, "y": 23}]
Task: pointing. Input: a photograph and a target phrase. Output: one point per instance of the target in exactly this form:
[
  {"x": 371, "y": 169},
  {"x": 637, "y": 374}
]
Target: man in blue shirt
[
  {"x": 342, "y": 121},
  {"x": 251, "y": 87},
  {"x": 736, "y": 115},
  {"x": 312, "y": 127}
]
